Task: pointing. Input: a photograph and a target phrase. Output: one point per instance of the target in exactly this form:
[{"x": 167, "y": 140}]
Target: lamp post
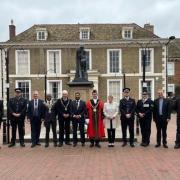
[
  {"x": 6, "y": 123},
  {"x": 171, "y": 38}
]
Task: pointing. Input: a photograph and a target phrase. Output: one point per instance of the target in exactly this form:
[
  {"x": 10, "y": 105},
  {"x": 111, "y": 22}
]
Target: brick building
[
  {"x": 114, "y": 51},
  {"x": 174, "y": 67}
]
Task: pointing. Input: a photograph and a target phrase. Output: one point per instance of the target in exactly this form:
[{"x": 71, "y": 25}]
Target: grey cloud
[{"x": 162, "y": 13}]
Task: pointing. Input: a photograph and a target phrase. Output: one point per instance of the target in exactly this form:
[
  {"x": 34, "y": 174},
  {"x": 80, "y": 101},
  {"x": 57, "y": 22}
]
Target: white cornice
[{"x": 132, "y": 42}]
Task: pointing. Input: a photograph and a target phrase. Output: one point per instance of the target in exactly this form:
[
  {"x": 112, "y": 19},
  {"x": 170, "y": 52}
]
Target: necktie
[{"x": 77, "y": 104}]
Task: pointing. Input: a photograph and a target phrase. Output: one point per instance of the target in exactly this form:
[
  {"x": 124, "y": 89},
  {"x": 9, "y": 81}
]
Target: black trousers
[
  {"x": 145, "y": 124},
  {"x": 77, "y": 124},
  {"x": 127, "y": 122},
  {"x": 20, "y": 124},
  {"x": 178, "y": 131},
  {"x": 111, "y": 135},
  {"x": 64, "y": 126},
  {"x": 49, "y": 125},
  {"x": 161, "y": 125},
  {"x": 35, "y": 129}
]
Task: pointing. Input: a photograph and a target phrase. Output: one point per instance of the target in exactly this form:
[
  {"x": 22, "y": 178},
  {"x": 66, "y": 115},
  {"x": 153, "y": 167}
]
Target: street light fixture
[{"x": 171, "y": 38}]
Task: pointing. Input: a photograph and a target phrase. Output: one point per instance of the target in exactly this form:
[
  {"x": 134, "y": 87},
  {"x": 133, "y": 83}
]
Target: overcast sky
[{"x": 163, "y": 14}]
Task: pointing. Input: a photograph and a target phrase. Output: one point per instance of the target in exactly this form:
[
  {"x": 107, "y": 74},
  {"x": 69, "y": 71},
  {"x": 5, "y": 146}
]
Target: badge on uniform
[{"x": 145, "y": 105}]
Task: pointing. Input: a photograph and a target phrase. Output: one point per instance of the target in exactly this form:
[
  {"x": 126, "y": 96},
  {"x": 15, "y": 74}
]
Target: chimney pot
[{"x": 12, "y": 30}]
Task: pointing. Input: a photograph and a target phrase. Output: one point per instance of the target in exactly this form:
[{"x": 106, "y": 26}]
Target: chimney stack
[
  {"x": 149, "y": 27},
  {"x": 12, "y": 30}
]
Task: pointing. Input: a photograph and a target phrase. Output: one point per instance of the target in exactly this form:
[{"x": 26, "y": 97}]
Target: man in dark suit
[
  {"x": 127, "y": 108},
  {"x": 177, "y": 109},
  {"x": 17, "y": 111},
  {"x": 78, "y": 115},
  {"x": 161, "y": 116},
  {"x": 50, "y": 121},
  {"x": 35, "y": 114},
  {"x": 62, "y": 108},
  {"x": 144, "y": 111}
]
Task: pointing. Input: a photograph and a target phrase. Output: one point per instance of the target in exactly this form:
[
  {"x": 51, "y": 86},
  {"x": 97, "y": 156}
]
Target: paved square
[{"x": 91, "y": 163}]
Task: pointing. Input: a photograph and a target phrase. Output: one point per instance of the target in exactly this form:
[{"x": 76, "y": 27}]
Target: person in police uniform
[
  {"x": 62, "y": 108},
  {"x": 127, "y": 107},
  {"x": 50, "y": 120},
  {"x": 144, "y": 111},
  {"x": 17, "y": 111}
]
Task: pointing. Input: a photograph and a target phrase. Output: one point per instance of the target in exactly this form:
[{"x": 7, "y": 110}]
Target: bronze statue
[{"x": 81, "y": 69}]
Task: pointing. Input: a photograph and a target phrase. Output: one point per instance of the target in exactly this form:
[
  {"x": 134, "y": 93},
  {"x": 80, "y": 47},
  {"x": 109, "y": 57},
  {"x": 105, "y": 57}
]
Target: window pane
[
  {"x": 25, "y": 89},
  {"x": 54, "y": 62},
  {"x": 147, "y": 54},
  {"x": 87, "y": 60},
  {"x": 55, "y": 90},
  {"x": 114, "y": 90},
  {"x": 149, "y": 87},
  {"x": 114, "y": 61},
  {"x": 22, "y": 62},
  {"x": 170, "y": 68}
]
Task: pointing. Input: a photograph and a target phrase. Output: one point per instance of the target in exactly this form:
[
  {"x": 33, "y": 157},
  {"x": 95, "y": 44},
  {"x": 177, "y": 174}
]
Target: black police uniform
[
  {"x": 127, "y": 106},
  {"x": 19, "y": 106},
  {"x": 145, "y": 107}
]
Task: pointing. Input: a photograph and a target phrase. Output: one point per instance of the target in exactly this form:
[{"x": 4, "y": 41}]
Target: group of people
[{"x": 96, "y": 114}]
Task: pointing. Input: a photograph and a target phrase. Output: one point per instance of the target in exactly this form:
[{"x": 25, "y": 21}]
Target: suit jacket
[
  {"x": 127, "y": 107},
  {"x": 60, "y": 107},
  {"x": 177, "y": 107},
  {"x": 41, "y": 109},
  {"x": 80, "y": 110},
  {"x": 166, "y": 109},
  {"x": 17, "y": 106},
  {"x": 145, "y": 107},
  {"x": 49, "y": 115}
]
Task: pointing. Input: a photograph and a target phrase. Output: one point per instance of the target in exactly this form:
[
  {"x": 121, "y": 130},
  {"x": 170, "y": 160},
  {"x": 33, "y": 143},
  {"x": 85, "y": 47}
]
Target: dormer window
[
  {"x": 127, "y": 33},
  {"x": 84, "y": 33},
  {"x": 41, "y": 34}
]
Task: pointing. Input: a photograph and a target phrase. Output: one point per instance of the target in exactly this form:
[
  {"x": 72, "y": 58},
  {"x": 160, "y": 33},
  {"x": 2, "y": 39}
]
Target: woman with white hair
[{"x": 110, "y": 112}]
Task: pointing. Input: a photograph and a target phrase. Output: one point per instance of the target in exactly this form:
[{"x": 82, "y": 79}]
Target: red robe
[{"x": 100, "y": 126}]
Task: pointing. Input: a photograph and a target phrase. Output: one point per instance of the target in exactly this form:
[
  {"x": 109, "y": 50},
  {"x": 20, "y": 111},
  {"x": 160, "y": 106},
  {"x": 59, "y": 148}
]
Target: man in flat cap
[
  {"x": 127, "y": 108},
  {"x": 17, "y": 111},
  {"x": 144, "y": 111}
]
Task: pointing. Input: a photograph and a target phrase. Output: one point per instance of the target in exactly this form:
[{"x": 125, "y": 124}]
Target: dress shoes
[
  {"x": 11, "y": 145},
  {"x": 132, "y": 145},
  {"x": 60, "y": 144},
  {"x": 22, "y": 144},
  {"x": 124, "y": 144},
  {"x": 165, "y": 145},
  {"x": 91, "y": 145},
  {"x": 46, "y": 145},
  {"x": 33, "y": 145},
  {"x": 98, "y": 145},
  {"x": 157, "y": 145},
  {"x": 177, "y": 146},
  {"x": 68, "y": 143}
]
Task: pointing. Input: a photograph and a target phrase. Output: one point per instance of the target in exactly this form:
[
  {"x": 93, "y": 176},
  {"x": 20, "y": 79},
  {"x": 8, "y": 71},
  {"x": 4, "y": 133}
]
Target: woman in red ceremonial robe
[{"x": 95, "y": 115}]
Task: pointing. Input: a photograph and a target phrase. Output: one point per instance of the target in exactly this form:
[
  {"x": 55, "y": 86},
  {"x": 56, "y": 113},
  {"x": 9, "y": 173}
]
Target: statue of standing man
[{"x": 81, "y": 69}]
